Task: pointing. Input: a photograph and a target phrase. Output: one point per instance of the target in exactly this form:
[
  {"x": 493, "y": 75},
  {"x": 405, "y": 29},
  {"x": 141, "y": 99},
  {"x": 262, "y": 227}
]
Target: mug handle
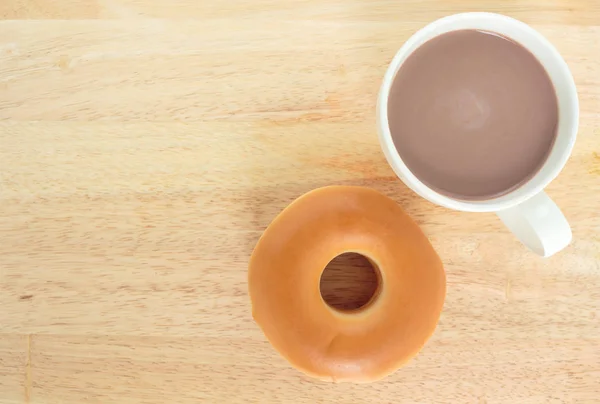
[{"x": 539, "y": 224}]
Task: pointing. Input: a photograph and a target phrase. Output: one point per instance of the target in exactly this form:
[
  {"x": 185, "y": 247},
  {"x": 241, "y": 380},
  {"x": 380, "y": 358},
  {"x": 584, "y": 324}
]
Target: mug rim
[{"x": 504, "y": 201}]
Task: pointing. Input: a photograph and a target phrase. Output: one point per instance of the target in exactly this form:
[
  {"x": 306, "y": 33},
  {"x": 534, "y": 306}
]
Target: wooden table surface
[{"x": 146, "y": 144}]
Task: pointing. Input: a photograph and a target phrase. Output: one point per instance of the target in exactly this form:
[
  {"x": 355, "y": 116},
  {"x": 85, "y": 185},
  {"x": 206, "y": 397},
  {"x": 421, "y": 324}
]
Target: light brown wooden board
[{"x": 144, "y": 147}]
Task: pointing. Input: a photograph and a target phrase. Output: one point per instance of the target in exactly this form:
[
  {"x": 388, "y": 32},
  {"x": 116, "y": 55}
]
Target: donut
[{"x": 360, "y": 345}]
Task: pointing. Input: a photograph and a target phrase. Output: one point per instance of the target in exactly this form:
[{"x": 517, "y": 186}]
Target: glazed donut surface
[{"x": 360, "y": 345}]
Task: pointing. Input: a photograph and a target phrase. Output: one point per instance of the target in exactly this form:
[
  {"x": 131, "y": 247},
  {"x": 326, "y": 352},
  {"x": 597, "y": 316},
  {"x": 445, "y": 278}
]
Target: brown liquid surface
[{"x": 473, "y": 114}]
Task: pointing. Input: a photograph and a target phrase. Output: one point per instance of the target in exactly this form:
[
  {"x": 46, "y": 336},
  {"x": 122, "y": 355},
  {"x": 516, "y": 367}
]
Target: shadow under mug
[{"x": 527, "y": 211}]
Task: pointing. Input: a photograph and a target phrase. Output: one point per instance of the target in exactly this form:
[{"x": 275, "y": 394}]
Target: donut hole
[{"x": 349, "y": 282}]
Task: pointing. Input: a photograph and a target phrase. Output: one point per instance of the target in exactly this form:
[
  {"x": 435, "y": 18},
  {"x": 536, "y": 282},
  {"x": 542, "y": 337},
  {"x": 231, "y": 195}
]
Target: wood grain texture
[
  {"x": 144, "y": 147},
  {"x": 349, "y": 281}
]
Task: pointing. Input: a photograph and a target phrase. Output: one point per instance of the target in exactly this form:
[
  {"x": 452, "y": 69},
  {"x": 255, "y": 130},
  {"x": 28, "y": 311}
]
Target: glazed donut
[{"x": 361, "y": 345}]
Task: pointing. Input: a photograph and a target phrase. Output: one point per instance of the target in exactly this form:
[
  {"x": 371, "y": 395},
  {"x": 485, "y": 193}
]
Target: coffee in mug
[
  {"x": 473, "y": 114},
  {"x": 478, "y": 112}
]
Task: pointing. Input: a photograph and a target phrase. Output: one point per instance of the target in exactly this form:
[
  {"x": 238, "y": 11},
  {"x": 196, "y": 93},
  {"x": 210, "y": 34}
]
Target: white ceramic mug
[{"x": 527, "y": 211}]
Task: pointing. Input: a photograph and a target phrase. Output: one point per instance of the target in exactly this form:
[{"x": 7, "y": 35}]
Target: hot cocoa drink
[{"x": 473, "y": 114}]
